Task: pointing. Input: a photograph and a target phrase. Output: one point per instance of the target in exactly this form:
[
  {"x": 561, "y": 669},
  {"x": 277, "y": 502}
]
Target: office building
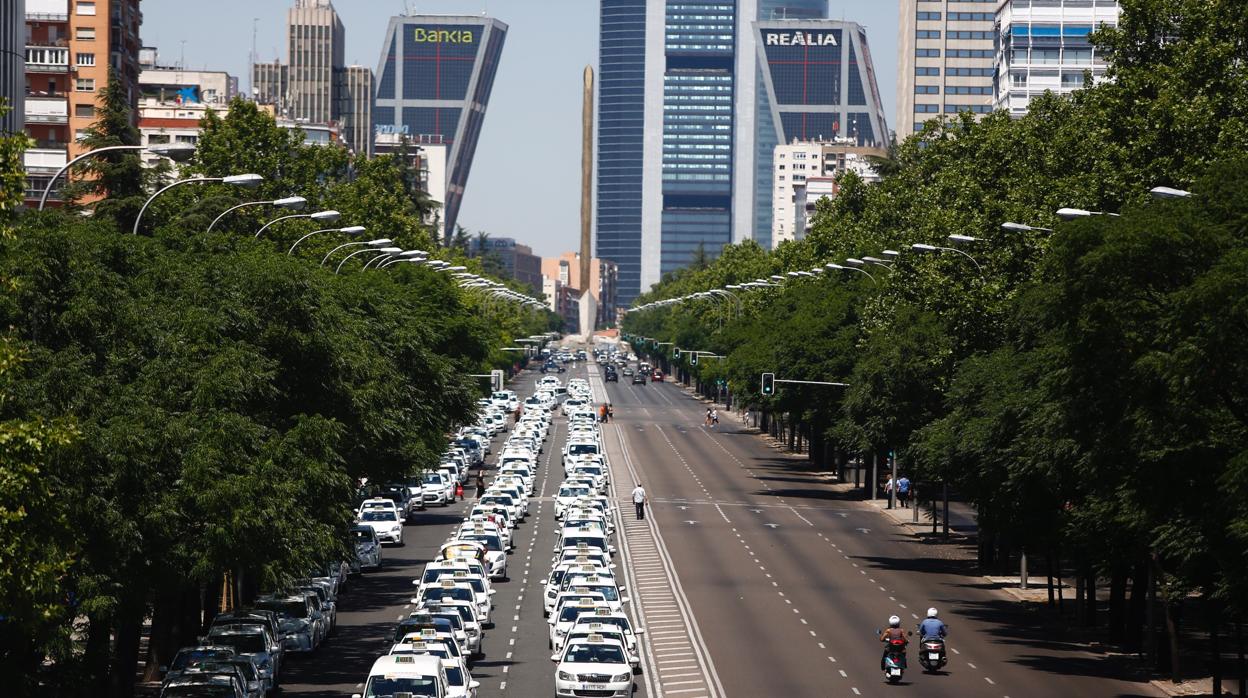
[
  {"x": 172, "y": 84},
  {"x": 603, "y": 286},
  {"x": 1045, "y": 47},
  {"x": 806, "y": 171},
  {"x": 313, "y": 87},
  {"x": 946, "y": 62},
  {"x": 819, "y": 83},
  {"x": 679, "y": 113},
  {"x": 434, "y": 81},
  {"x": 70, "y": 45},
  {"x": 517, "y": 261}
]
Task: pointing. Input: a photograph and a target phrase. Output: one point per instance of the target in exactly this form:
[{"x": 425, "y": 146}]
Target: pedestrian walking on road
[
  {"x": 639, "y": 501},
  {"x": 714, "y": 418},
  {"x": 888, "y": 489},
  {"x": 708, "y": 417},
  {"x": 903, "y": 491},
  {"x": 480, "y": 482},
  {"x": 610, "y": 411}
]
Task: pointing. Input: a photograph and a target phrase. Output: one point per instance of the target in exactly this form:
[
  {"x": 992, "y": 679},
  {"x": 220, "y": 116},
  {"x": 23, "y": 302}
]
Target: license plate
[
  {"x": 934, "y": 656},
  {"x": 895, "y": 672},
  {"x": 595, "y": 686}
]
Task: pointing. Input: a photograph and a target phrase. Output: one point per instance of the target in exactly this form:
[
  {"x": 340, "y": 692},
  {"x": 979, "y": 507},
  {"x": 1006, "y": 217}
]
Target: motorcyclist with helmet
[
  {"x": 889, "y": 636},
  {"x": 932, "y": 627}
]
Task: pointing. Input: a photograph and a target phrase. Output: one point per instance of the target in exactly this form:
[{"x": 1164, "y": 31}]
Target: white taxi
[{"x": 594, "y": 664}]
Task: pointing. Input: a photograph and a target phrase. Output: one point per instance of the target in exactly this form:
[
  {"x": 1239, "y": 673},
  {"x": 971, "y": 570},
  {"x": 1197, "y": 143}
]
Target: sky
[{"x": 525, "y": 178}]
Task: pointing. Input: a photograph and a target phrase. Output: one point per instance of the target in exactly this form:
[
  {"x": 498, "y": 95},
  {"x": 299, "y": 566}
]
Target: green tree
[{"x": 12, "y": 167}]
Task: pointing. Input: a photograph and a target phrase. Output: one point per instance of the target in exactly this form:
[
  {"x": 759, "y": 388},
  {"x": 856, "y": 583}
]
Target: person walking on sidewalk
[
  {"x": 639, "y": 501},
  {"x": 903, "y": 490},
  {"x": 480, "y": 482}
]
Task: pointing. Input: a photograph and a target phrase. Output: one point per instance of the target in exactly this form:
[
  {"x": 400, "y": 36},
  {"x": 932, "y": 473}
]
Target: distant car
[
  {"x": 639, "y": 379},
  {"x": 611, "y": 377},
  {"x": 657, "y": 376},
  {"x": 628, "y": 370}
]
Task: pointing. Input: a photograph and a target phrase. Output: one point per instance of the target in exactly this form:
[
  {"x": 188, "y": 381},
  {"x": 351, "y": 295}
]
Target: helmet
[
  {"x": 894, "y": 621},
  {"x": 931, "y": 613}
]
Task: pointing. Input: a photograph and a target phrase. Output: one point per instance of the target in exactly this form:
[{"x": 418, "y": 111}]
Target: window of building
[
  {"x": 927, "y": 89},
  {"x": 84, "y": 33},
  {"x": 85, "y": 8},
  {"x": 927, "y": 34},
  {"x": 927, "y": 53},
  {"x": 973, "y": 108},
  {"x": 186, "y": 139},
  {"x": 970, "y": 53},
  {"x": 1018, "y": 79},
  {"x": 967, "y": 90},
  {"x": 85, "y": 59},
  {"x": 84, "y": 85},
  {"x": 922, "y": 70},
  {"x": 971, "y": 17},
  {"x": 928, "y": 16},
  {"x": 927, "y": 108},
  {"x": 84, "y": 110},
  {"x": 1072, "y": 80}
]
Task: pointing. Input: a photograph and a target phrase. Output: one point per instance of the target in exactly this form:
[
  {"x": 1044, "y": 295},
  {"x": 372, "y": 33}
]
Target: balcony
[
  {"x": 45, "y": 159},
  {"x": 47, "y": 10},
  {"x": 47, "y": 110},
  {"x": 46, "y": 59}
]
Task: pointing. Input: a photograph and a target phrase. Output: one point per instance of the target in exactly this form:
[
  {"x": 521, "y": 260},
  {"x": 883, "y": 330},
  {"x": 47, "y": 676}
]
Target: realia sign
[{"x": 799, "y": 38}]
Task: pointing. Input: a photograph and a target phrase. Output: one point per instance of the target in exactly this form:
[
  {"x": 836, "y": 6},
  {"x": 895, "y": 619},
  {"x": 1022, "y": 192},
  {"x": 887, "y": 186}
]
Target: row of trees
[
  {"x": 1084, "y": 391},
  {"x": 180, "y": 408}
]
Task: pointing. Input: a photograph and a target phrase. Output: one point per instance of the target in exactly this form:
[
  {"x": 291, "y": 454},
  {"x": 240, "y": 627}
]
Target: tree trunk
[
  {"x": 1117, "y": 605},
  {"x": 1089, "y": 588},
  {"x": 96, "y": 653},
  {"x": 126, "y": 646},
  {"x": 161, "y": 644},
  {"x": 1048, "y": 571},
  {"x": 1137, "y": 610},
  {"x": 1215, "y": 646},
  {"x": 1172, "y": 637}
]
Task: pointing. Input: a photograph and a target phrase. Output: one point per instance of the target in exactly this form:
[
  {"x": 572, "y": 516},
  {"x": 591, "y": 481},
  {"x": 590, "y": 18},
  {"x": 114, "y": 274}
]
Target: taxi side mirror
[
  {"x": 625, "y": 599},
  {"x": 413, "y": 601},
  {"x": 554, "y": 657},
  {"x": 639, "y": 631},
  {"x": 474, "y": 685},
  {"x": 493, "y": 592},
  {"x": 356, "y": 695},
  {"x": 550, "y": 620},
  {"x": 416, "y": 582}
]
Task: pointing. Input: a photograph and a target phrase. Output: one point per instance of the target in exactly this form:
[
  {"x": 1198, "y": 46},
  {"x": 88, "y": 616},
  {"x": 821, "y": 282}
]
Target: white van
[{"x": 414, "y": 674}]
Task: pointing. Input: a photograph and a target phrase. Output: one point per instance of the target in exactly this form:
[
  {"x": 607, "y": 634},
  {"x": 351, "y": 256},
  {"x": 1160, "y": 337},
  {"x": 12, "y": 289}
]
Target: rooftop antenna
[{"x": 252, "y": 57}]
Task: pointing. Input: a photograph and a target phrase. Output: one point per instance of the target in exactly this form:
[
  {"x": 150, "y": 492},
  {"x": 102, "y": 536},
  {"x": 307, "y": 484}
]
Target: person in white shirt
[{"x": 639, "y": 501}]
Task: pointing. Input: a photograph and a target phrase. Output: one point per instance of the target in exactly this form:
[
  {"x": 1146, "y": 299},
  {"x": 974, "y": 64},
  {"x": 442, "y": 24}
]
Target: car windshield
[
  {"x": 243, "y": 644},
  {"x": 247, "y": 667},
  {"x": 454, "y": 676},
  {"x": 577, "y": 449},
  {"x": 288, "y": 609},
  {"x": 573, "y": 491},
  {"x": 433, "y": 478},
  {"x": 497, "y": 499},
  {"x": 441, "y": 653},
  {"x": 453, "y": 618},
  {"x": 458, "y": 593},
  {"x": 591, "y": 541},
  {"x": 433, "y": 574},
  {"x": 570, "y": 613},
  {"x": 363, "y": 535},
  {"x": 389, "y": 686},
  {"x": 379, "y": 516},
  {"x": 186, "y": 658},
  {"x": 594, "y": 654},
  {"x": 619, "y": 623},
  {"x": 492, "y": 543},
  {"x": 608, "y": 591}
]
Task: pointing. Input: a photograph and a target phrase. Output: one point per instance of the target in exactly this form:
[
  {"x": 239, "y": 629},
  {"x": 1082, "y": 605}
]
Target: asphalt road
[
  {"x": 788, "y": 580},
  {"x": 517, "y": 660}
]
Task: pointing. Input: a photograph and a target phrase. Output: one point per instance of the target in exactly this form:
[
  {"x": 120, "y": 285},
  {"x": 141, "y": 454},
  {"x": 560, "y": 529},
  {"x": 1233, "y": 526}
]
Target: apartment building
[{"x": 947, "y": 60}]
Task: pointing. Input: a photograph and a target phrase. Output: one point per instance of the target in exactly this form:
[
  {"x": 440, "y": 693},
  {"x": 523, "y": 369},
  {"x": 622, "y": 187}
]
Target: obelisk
[{"x": 588, "y": 307}]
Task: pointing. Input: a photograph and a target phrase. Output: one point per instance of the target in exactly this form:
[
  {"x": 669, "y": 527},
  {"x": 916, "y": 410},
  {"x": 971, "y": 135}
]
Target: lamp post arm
[
  {"x": 331, "y": 252},
  {"x": 279, "y": 218},
  {"x": 305, "y": 237},
  {"x": 862, "y": 271},
  {"x": 91, "y": 153},
  {"x": 164, "y": 189},
  {"x": 344, "y": 259},
  {"x": 232, "y": 208},
  {"x": 954, "y": 249}
]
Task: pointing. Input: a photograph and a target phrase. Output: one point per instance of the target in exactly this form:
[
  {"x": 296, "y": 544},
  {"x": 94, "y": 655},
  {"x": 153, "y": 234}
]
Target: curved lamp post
[
  {"x": 1023, "y": 228},
  {"x": 1169, "y": 193},
  {"x": 178, "y": 152},
  {"x": 864, "y": 272},
  {"x": 349, "y": 230},
  {"x": 1070, "y": 214},
  {"x": 408, "y": 256},
  {"x": 294, "y": 203},
  {"x": 936, "y": 248},
  {"x": 328, "y": 216},
  {"x": 383, "y": 250},
  {"x": 379, "y": 242},
  {"x": 241, "y": 180},
  {"x": 386, "y": 257}
]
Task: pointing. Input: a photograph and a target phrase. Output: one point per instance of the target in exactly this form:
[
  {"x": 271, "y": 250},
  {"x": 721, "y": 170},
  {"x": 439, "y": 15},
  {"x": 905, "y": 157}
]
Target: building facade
[
  {"x": 946, "y": 62},
  {"x": 806, "y": 171},
  {"x": 13, "y": 71},
  {"x": 518, "y": 261},
  {"x": 70, "y": 45},
  {"x": 270, "y": 84},
  {"x": 820, "y": 83},
  {"x": 684, "y": 132},
  {"x": 355, "y": 95},
  {"x": 434, "y": 81},
  {"x": 1045, "y": 47}
]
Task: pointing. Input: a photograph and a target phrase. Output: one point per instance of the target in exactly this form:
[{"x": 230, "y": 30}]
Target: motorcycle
[
  {"x": 895, "y": 659},
  {"x": 932, "y": 654}
]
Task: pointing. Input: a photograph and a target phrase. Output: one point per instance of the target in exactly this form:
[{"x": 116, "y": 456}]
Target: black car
[
  {"x": 639, "y": 379},
  {"x": 611, "y": 375}
]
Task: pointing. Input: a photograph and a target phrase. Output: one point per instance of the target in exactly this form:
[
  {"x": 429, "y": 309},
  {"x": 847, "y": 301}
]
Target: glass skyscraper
[
  {"x": 435, "y": 77},
  {"x": 679, "y": 163}
]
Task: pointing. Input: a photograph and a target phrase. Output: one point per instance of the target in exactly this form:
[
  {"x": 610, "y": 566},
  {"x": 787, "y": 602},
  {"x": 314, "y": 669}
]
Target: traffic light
[
  {"x": 769, "y": 384},
  {"x": 693, "y": 358},
  {"x": 676, "y": 353}
]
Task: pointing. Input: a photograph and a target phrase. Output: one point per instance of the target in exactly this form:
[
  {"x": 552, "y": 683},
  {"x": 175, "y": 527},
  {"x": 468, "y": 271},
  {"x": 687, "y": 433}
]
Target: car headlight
[
  {"x": 620, "y": 677},
  {"x": 396, "y": 529},
  {"x": 565, "y": 676}
]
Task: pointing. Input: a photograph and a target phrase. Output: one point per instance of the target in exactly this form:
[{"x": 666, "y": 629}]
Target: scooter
[
  {"x": 895, "y": 661},
  {"x": 932, "y": 654}
]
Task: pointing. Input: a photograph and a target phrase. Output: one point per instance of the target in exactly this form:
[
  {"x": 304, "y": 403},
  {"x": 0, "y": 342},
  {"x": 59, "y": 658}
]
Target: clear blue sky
[{"x": 526, "y": 176}]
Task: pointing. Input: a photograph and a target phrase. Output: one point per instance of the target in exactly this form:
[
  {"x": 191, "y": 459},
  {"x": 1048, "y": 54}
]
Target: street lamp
[
  {"x": 1169, "y": 193},
  {"x": 409, "y": 256},
  {"x": 178, "y": 152},
  {"x": 860, "y": 271},
  {"x": 1070, "y": 214},
  {"x": 383, "y": 250},
  {"x": 379, "y": 242},
  {"x": 328, "y": 216},
  {"x": 349, "y": 230},
  {"x": 1023, "y": 228},
  {"x": 239, "y": 180},
  {"x": 963, "y": 238},
  {"x": 386, "y": 257},
  {"x": 294, "y": 203}
]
